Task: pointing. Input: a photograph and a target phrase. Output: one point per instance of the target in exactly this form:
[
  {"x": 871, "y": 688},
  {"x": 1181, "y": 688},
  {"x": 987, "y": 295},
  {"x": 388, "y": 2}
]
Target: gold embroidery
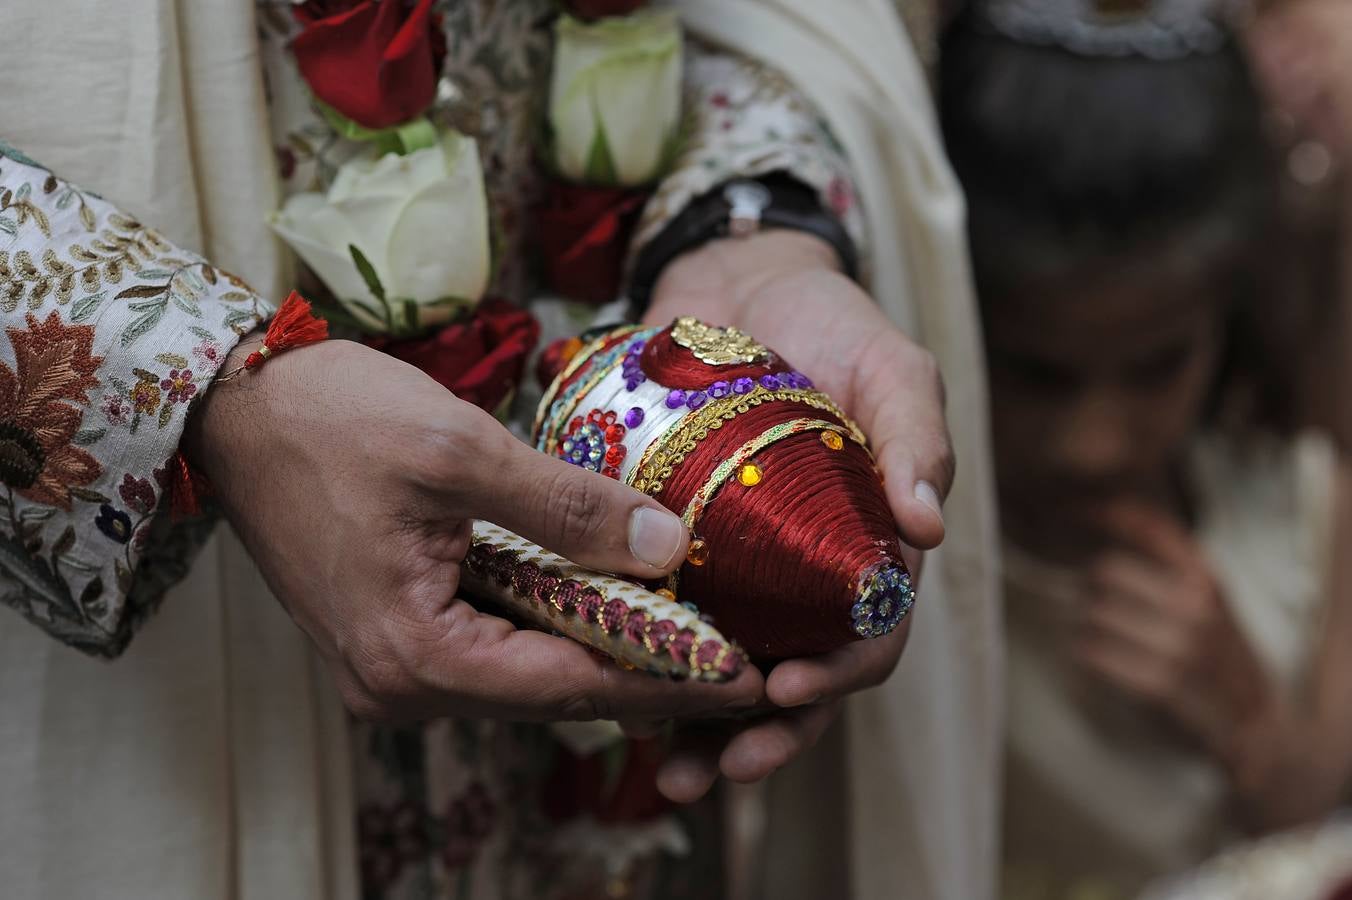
[
  {"x": 717, "y": 346},
  {"x": 663, "y": 455}
]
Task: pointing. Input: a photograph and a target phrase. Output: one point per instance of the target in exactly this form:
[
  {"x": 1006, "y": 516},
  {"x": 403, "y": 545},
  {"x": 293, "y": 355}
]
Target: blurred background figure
[{"x": 1158, "y": 308}]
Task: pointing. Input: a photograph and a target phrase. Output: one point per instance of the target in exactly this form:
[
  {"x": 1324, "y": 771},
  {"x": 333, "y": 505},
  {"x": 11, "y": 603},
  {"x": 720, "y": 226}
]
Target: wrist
[
  {"x": 718, "y": 280},
  {"x": 212, "y": 413}
]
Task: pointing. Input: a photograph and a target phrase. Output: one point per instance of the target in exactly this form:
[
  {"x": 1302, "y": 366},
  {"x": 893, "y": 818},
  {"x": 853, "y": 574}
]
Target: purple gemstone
[
  {"x": 630, "y": 368},
  {"x": 636, "y": 347},
  {"x": 695, "y": 399},
  {"x": 743, "y": 386},
  {"x": 769, "y": 382},
  {"x": 676, "y": 399},
  {"x": 719, "y": 389},
  {"x": 632, "y": 384},
  {"x": 634, "y": 417}
]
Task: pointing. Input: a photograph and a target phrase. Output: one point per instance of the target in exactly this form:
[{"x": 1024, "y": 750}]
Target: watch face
[{"x": 747, "y": 198}]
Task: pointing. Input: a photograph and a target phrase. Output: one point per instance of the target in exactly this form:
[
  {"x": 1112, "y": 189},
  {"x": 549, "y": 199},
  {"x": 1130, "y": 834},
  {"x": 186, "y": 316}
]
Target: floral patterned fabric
[{"x": 112, "y": 333}]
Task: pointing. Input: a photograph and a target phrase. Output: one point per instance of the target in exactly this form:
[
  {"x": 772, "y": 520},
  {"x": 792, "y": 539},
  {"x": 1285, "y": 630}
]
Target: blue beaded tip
[{"x": 884, "y": 599}]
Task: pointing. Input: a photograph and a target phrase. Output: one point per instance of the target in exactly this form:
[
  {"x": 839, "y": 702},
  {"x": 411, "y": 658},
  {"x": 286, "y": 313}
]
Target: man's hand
[
  {"x": 785, "y": 288},
  {"x": 352, "y": 479}
]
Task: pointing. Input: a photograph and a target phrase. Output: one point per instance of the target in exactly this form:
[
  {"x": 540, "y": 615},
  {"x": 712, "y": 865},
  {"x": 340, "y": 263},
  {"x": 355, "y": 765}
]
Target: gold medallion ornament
[{"x": 717, "y": 346}]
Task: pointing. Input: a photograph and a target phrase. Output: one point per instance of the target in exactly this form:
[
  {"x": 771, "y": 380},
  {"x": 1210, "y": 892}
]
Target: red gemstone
[
  {"x": 524, "y": 579},
  {"x": 609, "y": 419},
  {"x": 681, "y": 644},
  {"x": 615, "y": 454},
  {"x": 613, "y": 616},
  {"x": 478, "y": 558},
  {"x": 575, "y": 424},
  {"x": 566, "y": 595},
  {"x": 544, "y": 588},
  {"x": 636, "y": 626},
  {"x": 615, "y": 433},
  {"x": 594, "y": 416},
  {"x": 611, "y": 472},
  {"x": 589, "y": 604},
  {"x": 707, "y": 654},
  {"x": 503, "y": 565},
  {"x": 660, "y": 632}
]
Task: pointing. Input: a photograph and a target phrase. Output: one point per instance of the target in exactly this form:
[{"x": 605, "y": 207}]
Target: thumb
[{"x": 584, "y": 516}]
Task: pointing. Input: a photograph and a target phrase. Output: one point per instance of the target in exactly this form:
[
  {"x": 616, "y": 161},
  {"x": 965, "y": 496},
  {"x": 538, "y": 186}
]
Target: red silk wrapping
[
  {"x": 479, "y": 359},
  {"x": 376, "y": 63},
  {"x": 785, "y": 560}
]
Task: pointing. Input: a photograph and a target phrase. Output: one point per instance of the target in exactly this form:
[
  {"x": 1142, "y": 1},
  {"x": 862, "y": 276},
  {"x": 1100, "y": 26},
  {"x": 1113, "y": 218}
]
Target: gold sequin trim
[{"x": 663, "y": 455}]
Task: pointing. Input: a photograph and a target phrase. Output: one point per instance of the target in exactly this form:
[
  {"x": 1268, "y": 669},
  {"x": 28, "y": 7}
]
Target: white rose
[
  {"x": 615, "y": 100},
  {"x": 421, "y": 220}
]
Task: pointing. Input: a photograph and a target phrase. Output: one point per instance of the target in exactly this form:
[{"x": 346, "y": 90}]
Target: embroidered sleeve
[
  {"x": 748, "y": 120},
  {"x": 111, "y": 333}
]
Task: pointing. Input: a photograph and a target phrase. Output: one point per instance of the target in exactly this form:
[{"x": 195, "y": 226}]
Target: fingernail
[
  {"x": 655, "y": 536},
  {"x": 740, "y": 703},
  {"x": 926, "y": 494}
]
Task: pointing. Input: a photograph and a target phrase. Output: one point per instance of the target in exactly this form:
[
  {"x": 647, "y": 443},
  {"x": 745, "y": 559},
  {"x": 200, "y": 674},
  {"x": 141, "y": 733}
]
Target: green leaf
[
  {"x": 91, "y": 598},
  {"x": 188, "y": 306},
  {"x": 411, "y": 315},
  {"x": 236, "y": 297},
  {"x": 155, "y": 273},
  {"x": 65, "y": 542},
  {"x": 173, "y": 360},
  {"x": 35, "y": 576},
  {"x": 64, "y": 201},
  {"x": 166, "y": 413},
  {"x": 205, "y": 335},
  {"x": 89, "y": 496},
  {"x": 142, "y": 290},
  {"x": 86, "y": 436},
  {"x": 85, "y": 307},
  {"x": 368, "y": 274},
  {"x": 239, "y": 317},
  {"x": 143, "y": 323},
  {"x": 600, "y": 161},
  {"x": 8, "y": 225},
  {"x": 23, "y": 192}
]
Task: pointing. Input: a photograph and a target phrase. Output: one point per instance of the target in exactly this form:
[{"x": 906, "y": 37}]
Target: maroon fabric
[
  {"x": 578, "y": 785},
  {"x": 479, "y": 359},
  {"x": 1342, "y": 891},
  {"x": 376, "y": 63},
  {"x": 584, "y": 236}
]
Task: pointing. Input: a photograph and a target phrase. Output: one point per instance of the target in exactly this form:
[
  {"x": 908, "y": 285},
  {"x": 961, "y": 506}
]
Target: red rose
[
  {"x": 479, "y": 359},
  {"x": 584, "y": 237},
  {"x": 376, "y": 63},
  {"x": 595, "y": 9}
]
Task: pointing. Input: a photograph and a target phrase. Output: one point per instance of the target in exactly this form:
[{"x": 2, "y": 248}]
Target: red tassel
[
  {"x": 186, "y": 488},
  {"x": 293, "y": 326}
]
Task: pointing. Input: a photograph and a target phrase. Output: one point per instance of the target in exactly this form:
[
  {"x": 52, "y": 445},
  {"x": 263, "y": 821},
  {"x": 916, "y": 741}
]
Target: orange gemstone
[
  {"x": 698, "y": 552},
  {"x": 663, "y": 592},
  {"x": 833, "y": 439},
  {"x": 749, "y": 474}
]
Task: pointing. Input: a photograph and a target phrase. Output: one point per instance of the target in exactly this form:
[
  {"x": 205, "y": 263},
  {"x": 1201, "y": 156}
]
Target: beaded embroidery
[{"x": 663, "y": 455}]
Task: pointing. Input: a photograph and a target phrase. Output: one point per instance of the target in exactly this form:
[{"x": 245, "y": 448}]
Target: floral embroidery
[
  {"x": 114, "y": 523},
  {"x": 54, "y": 364},
  {"x": 116, "y": 409},
  {"x": 179, "y": 385},
  {"x": 145, "y": 394},
  {"x": 210, "y": 355},
  {"x": 137, "y": 494}
]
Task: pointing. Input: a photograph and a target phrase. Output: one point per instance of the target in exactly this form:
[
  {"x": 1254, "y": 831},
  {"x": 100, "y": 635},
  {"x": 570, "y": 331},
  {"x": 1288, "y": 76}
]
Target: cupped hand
[
  {"x": 785, "y": 288},
  {"x": 353, "y": 478}
]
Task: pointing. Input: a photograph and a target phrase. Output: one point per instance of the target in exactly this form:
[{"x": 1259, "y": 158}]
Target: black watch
[{"x": 738, "y": 209}]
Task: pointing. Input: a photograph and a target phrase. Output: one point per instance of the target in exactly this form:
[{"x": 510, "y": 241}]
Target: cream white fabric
[
  {"x": 922, "y": 752},
  {"x": 212, "y": 761}
]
